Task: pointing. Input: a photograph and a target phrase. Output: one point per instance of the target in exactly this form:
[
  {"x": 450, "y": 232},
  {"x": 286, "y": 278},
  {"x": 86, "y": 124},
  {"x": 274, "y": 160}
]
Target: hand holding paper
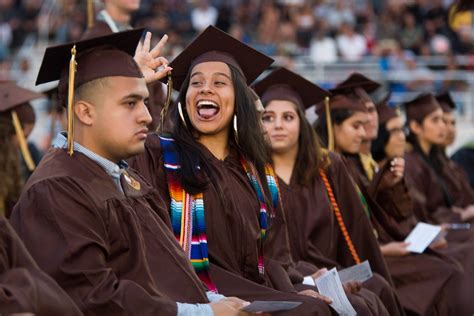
[
  {"x": 422, "y": 236},
  {"x": 330, "y": 285}
]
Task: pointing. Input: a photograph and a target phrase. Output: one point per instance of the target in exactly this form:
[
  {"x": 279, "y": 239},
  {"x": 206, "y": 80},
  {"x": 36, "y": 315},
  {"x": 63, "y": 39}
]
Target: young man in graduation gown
[
  {"x": 453, "y": 174},
  {"x": 92, "y": 223},
  {"x": 116, "y": 17},
  {"x": 14, "y": 168}
]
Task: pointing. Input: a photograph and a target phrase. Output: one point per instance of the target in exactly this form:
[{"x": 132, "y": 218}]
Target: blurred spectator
[
  {"x": 203, "y": 15},
  {"x": 338, "y": 14},
  {"x": 304, "y": 21},
  {"x": 323, "y": 47},
  {"x": 411, "y": 35},
  {"x": 352, "y": 46},
  {"x": 269, "y": 22}
]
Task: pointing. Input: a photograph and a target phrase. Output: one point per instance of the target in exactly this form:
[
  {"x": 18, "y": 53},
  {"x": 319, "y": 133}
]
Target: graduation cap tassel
[
  {"x": 70, "y": 102},
  {"x": 22, "y": 142},
  {"x": 329, "y": 124},
  {"x": 90, "y": 13},
  {"x": 164, "y": 110}
]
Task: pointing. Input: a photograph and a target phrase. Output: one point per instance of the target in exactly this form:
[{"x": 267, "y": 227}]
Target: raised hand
[{"x": 153, "y": 66}]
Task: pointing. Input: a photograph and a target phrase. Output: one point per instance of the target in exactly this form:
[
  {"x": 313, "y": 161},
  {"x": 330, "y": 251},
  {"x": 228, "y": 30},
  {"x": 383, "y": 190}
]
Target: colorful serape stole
[
  {"x": 272, "y": 183},
  {"x": 187, "y": 216}
]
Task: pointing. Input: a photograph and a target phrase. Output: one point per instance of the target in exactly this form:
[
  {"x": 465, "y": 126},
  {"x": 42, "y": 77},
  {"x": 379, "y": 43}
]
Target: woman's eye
[
  {"x": 195, "y": 83},
  {"x": 267, "y": 118},
  {"x": 288, "y": 118}
]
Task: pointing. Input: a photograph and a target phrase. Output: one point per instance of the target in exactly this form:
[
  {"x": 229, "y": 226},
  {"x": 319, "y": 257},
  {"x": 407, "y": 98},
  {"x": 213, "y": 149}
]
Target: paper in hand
[
  {"x": 361, "y": 273},
  {"x": 459, "y": 226},
  {"x": 330, "y": 286},
  {"x": 422, "y": 236},
  {"x": 269, "y": 306}
]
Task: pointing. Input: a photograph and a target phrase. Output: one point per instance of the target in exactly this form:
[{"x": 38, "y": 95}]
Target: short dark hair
[{"x": 378, "y": 145}]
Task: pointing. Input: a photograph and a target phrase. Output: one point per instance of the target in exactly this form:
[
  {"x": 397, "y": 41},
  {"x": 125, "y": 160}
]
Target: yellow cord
[
  {"x": 22, "y": 142},
  {"x": 329, "y": 124},
  {"x": 70, "y": 102},
  {"x": 90, "y": 13}
]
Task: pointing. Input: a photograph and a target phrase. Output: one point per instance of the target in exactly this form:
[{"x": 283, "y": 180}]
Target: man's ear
[
  {"x": 415, "y": 127},
  {"x": 85, "y": 112}
]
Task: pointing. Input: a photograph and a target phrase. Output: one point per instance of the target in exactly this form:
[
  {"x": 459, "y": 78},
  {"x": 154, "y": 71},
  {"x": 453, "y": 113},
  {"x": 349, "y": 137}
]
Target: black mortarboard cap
[{"x": 283, "y": 84}]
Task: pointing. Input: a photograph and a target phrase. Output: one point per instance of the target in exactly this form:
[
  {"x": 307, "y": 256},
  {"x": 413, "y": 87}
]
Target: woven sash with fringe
[{"x": 188, "y": 216}]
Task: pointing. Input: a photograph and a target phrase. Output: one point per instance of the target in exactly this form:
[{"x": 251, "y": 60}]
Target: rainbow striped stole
[
  {"x": 187, "y": 216},
  {"x": 272, "y": 183}
]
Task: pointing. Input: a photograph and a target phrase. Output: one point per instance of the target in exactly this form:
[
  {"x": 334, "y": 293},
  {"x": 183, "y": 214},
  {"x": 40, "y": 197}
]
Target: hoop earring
[
  {"x": 236, "y": 131},
  {"x": 181, "y": 115}
]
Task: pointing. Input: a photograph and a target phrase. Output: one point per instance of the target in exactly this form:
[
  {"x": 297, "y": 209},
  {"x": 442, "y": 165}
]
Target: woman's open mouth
[{"x": 207, "y": 109}]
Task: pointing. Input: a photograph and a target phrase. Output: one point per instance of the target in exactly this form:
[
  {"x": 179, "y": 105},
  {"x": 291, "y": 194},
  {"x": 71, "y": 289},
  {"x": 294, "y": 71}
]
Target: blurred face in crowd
[
  {"x": 282, "y": 125},
  {"x": 348, "y": 135},
  {"x": 450, "y": 122},
  {"x": 372, "y": 125},
  {"x": 210, "y": 98},
  {"x": 395, "y": 146},
  {"x": 128, "y": 6},
  {"x": 432, "y": 130}
]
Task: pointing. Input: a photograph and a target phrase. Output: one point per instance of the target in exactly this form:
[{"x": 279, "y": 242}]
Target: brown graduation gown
[
  {"x": 427, "y": 283},
  {"x": 315, "y": 235},
  {"x": 113, "y": 253},
  {"x": 157, "y": 89},
  {"x": 430, "y": 200},
  {"x": 24, "y": 288},
  {"x": 457, "y": 182},
  {"x": 232, "y": 230}
]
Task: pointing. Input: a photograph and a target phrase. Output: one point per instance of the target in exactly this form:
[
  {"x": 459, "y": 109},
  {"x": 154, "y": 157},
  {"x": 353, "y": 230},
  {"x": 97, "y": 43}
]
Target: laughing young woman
[
  {"x": 212, "y": 172},
  {"x": 308, "y": 177}
]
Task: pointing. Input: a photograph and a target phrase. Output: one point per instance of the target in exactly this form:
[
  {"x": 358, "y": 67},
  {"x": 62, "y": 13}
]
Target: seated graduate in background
[
  {"x": 447, "y": 199},
  {"x": 17, "y": 161},
  {"x": 425, "y": 283},
  {"x": 307, "y": 175}
]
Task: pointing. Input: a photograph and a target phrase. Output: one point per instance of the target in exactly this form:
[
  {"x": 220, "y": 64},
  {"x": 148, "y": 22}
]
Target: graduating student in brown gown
[
  {"x": 455, "y": 176},
  {"x": 424, "y": 282},
  {"x": 390, "y": 144},
  {"x": 92, "y": 223},
  {"x": 13, "y": 102},
  {"x": 116, "y": 17},
  {"x": 299, "y": 160},
  {"x": 443, "y": 198},
  {"x": 216, "y": 129},
  {"x": 24, "y": 288}
]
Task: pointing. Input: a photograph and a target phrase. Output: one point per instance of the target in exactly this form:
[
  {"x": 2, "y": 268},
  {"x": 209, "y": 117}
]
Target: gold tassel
[
  {"x": 70, "y": 102},
  {"x": 164, "y": 110},
  {"x": 22, "y": 142},
  {"x": 90, "y": 13},
  {"x": 329, "y": 124}
]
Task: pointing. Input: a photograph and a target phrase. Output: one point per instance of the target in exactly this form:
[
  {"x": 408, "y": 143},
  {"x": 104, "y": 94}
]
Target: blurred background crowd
[{"x": 409, "y": 45}]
